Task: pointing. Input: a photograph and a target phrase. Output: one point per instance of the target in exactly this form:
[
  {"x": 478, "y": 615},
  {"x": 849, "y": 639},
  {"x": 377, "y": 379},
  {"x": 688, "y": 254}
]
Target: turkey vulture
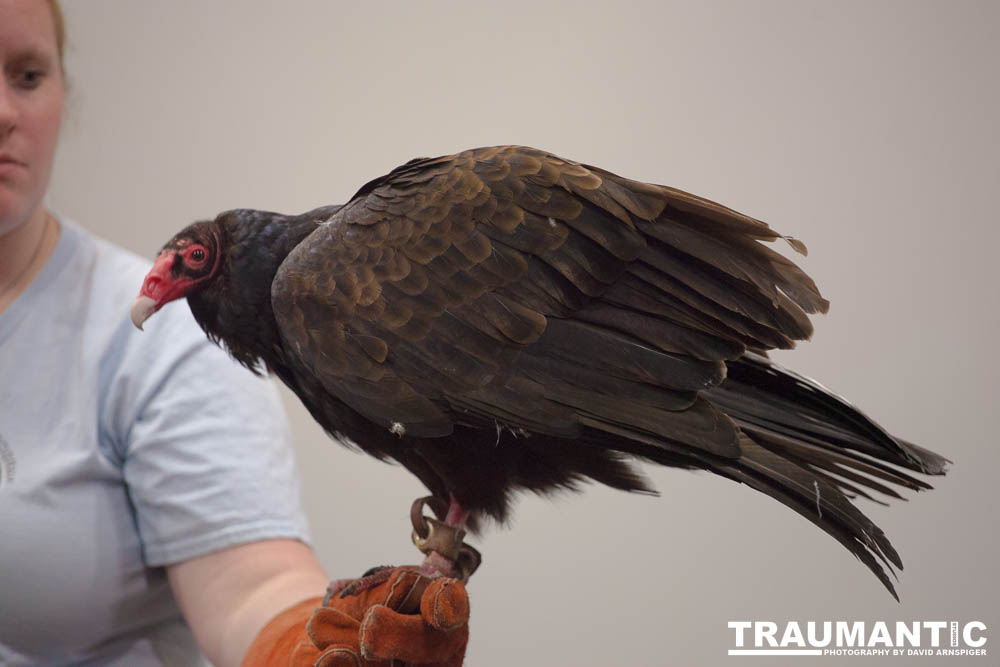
[{"x": 504, "y": 319}]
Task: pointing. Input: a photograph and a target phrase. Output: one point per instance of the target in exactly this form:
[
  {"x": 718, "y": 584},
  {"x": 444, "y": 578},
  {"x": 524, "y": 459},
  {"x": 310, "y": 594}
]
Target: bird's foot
[
  {"x": 441, "y": 541},
  {"x": 341, "y": 588}
]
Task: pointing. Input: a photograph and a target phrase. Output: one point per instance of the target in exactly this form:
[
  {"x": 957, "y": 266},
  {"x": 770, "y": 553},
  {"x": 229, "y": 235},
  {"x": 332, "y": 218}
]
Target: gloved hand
[{"x": 389, "y": 614}]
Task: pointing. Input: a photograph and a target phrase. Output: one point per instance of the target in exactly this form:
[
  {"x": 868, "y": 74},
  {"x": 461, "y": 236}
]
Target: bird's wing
[{"x": 506, "y": 285}]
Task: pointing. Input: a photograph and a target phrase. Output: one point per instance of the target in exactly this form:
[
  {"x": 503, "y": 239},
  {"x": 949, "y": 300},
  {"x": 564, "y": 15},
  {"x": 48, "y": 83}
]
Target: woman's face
[{"x": 31, "y": 101}]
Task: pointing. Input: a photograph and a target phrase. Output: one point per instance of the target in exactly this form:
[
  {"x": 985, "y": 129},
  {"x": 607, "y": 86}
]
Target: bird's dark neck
[{"x": 236, "y": 307}]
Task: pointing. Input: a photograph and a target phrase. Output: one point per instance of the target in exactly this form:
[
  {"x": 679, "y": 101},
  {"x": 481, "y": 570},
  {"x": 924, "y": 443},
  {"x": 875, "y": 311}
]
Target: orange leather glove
[{"x": 389, "y": 614}]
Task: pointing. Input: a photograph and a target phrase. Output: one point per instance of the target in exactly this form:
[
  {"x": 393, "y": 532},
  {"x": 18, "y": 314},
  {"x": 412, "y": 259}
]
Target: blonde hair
[{"x": 59, "y": 24}]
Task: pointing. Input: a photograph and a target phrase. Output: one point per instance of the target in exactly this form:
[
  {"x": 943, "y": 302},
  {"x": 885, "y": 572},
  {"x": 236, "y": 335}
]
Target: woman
[{"x": 148, "y": 498}]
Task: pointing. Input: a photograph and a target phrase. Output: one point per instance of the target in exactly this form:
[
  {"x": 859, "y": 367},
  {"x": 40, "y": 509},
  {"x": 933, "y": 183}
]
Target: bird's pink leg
[{"x": 456, "y": 515}]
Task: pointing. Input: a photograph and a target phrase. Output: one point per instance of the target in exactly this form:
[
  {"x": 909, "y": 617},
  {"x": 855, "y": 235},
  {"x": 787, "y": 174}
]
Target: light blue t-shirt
[{"x": 120, "y": 452}]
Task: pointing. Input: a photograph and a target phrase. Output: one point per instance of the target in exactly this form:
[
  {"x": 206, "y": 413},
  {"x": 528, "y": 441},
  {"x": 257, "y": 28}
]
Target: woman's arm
[{"x": 228, "y": 596}]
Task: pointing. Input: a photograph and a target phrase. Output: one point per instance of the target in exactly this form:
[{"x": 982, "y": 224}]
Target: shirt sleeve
[{"x": 205, "y": 446}]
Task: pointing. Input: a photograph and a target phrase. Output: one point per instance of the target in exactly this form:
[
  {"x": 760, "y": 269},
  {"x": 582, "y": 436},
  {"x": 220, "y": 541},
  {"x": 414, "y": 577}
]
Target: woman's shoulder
[{"x": 117, "y": 267}]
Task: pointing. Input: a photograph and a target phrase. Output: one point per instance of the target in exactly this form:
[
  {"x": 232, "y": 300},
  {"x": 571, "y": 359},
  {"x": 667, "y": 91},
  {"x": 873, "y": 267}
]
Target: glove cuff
[{"x": 283, "y": 637}]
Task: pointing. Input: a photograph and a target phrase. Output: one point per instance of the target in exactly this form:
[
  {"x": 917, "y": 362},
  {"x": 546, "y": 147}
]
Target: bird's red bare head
[{"x": 186, "y": 264}]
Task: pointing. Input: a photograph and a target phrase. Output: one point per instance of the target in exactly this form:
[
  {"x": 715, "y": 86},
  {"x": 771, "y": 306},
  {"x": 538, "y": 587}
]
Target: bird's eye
[{"x": 198, "y": 254}]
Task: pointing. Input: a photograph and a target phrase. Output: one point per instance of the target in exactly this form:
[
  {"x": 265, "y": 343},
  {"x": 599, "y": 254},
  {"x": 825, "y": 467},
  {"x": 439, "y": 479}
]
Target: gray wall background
[{"x": 867, "y": 129}]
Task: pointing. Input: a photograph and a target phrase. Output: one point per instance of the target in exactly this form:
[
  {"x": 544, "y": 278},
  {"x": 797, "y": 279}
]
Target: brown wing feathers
[{"x": 509, "y": 286}]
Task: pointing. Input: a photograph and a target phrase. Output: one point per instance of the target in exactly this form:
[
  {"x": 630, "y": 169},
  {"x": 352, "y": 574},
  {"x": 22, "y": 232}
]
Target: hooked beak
[
  {"x": 157, "y": 289},
  {"x": 142, "y": 308}
]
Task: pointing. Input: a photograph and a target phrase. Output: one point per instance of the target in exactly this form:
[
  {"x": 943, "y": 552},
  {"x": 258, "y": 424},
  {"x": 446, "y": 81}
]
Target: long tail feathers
[
  {"x": 765, "y": 398},
  {"x": 815, "y": 497},
  {"x": 803, "y": 446},
  {"x": 812, "y": 450}
]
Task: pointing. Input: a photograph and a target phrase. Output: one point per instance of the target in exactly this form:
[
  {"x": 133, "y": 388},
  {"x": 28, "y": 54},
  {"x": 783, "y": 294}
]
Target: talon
[
  {"x": 468, "y": 561},
  {"x": 342, "y": 588}
]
